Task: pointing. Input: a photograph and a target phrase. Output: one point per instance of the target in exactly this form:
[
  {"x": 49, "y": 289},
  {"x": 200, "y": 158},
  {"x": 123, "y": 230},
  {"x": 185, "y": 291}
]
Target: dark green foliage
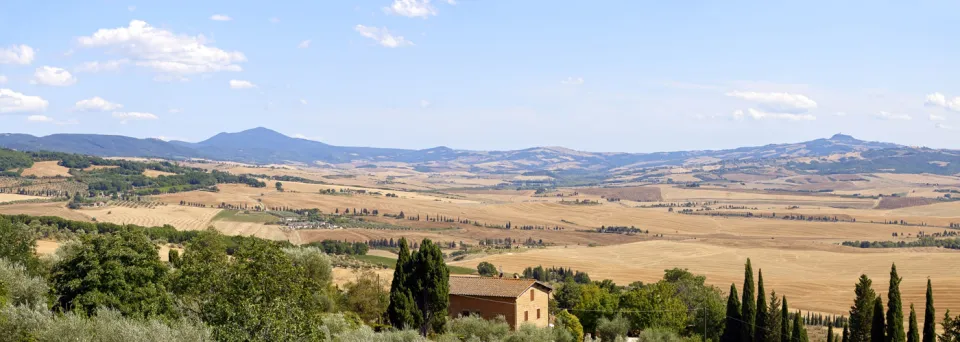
[
  {"x": 830, "y": 334},
  {"x": 654, "y": 306},
  {"x": 402, "y": 312},
  {"x": 894, "y": 309},
  {"x": 773, "y": 319},
  {"x": 929, "y": 320},
  {"x": 611, "y": 329},
  {"x": 13, "y": 160},
  {"x": 762, "y": 328},
  {"x": 861, "y": 313},
  {"x": 341, "y": 247},
  {"x": 558, "y": 274},
  {"x": 166, "y": 233},
  {"x": 120, "y": 271},
  {"x": 913, "y": 332},
  {"x": 785, "y": 322},
  {"x": 878, "y": 328},
  {"x": 17, "y": 243},
  {"x": 595, "y": 302},
  {"x": 748, "y": 304},
  {"x": 173, "y": 257},
  {"x": 705, "y": 304},
  {"x": 734, "y": 327},
  {"x": 430, "y": 285},
  {"x": 798, "y": 329},
  {"x": 570, "y": 323},
  {"x": 951, "y": 328},
  {"x": 486, "y": 269},
  {"x": 846, "y": 334}
]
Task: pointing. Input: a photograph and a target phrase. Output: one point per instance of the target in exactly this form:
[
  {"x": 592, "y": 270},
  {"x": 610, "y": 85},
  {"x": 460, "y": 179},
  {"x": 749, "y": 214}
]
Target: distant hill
[{"x": 263, "y": 146}]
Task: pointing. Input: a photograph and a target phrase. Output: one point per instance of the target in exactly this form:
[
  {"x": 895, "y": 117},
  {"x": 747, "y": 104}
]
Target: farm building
[{"x": 520, "y": 301}]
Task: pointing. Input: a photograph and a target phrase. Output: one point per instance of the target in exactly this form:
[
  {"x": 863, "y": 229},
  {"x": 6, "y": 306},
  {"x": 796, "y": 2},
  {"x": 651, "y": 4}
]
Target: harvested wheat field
[
  {"x": 5, "y": 197},
  {"x": 43, "y": 209},
  {"x": 181, "y": 217},
  {"x": 155, "y": 173},
  {"x": 260, "y": 230},
  {"x": 46, "y": 247},
  {"x": 813, "y": 280},
  {"x": 46, "y": 169}
]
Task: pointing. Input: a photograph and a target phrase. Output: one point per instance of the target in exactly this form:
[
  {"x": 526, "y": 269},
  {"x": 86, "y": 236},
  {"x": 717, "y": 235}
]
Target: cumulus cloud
[
  {"x": 411, "y": 8},
  {"x": 220, "y": 17},
  {"x": 935, "y": 117},
  {"x": 97, "y": 66},
  {"x": 96, "y": 104},
  {"x": 164, "y": 51},
  {"x": 17, "y": 54},
  {"x": 573, "y": 81},
  {"x": 241, "y": 84},
  {"x": 891, "y": 116},
  {"x": 777, "y": 102},
  {"x": 763, "y": 115},
  {"x": 304, "y": 44},
  {"x": 53, "y": 76},
  {"x": 39, "y": 118},
  {"x": 14, "y": 102},
  {"x": 382, "y": 36},
  {"x": 939, "y": 100},
  {"x": 127, "y": 116}
]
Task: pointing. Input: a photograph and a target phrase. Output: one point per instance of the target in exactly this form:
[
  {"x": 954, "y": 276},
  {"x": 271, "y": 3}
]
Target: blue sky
[{"x": 632, "y": 76}]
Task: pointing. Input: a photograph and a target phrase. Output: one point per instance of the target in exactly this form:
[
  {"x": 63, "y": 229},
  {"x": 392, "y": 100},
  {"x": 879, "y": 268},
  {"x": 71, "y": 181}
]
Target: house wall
[
  {"x": 541, "y": 301},
  {"x": 486, "y": 307}
]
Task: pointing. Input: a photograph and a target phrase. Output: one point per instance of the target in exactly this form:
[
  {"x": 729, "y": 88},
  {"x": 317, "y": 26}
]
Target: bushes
[
  {"x": 17, "y": 287},
  {"x": 570, "y": 323},
  {"x": 611, "y": 329},
  {"x": 474, "y": 328},
  {"x": 22, "y": 323}
]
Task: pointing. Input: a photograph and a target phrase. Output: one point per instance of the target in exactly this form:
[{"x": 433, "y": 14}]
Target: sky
[{"x": 604, "y": 75}]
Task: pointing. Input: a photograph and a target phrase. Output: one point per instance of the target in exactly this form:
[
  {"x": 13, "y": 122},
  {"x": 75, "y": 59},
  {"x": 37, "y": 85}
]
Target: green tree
[
  {"x": 402, "y": 311},
  {"x": 279, "y": 186},
  {"x": 430, "y": 286},
  {"x": 894, "y": 309},
  {"x": 877, "y": 327},
  {"x": 19, "y": 243},
  {"x": 173, "y": 257},
  {"x": 761, "y": 330},
  {"x": 594, "y": 303},
  {"x": 861, "y": 313},
  {"x": 829, "y": 334},
  {"x": 772, "y": 311},
  {"x": 366, "y": 297},
  {"x": 565, "y": 320},
  {"x": 798, "y": 329},
  {"x": 846, "y": 334},
  {"x": 749, "y": 305},
  {"x": 951, "y": 328},
  {"x": 706, "y": 308},
  {"x": 734, "y": 327},
  {"x": 929, "y": 322},
  {"x": 120, "y": 271},
  {"x": 654, "y": 306},
  {"x": 486, "y": 269},
  {"x": 785, "y": 322},
  {"x": 612, "y": 329},
  {"x": 913, "y": 334}
]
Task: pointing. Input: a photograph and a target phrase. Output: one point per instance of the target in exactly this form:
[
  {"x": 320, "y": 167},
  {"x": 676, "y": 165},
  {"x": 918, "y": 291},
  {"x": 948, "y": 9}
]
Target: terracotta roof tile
[{"x": 492, "y": 287}]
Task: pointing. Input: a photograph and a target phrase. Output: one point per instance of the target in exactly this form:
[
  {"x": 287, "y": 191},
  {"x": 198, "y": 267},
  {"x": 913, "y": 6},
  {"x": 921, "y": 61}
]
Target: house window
[
  {"x": 531, "y": 294},
  {"x": 465, "y": 313},
  {"x": 538, "y": 313},
  {"x": 526, "y": 316}
]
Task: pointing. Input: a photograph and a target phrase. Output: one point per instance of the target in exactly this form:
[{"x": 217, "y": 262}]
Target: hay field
[
  {"x": 46, "y": 169},
  {"x": 155, "y": 173},
  {"x": 813, "y": 280},
  {"x": 181, "y": 217},
  {"x": 260, "y": 230},
  {"x": 44, "y": 209},
  {"x": 5, "y": 197}
]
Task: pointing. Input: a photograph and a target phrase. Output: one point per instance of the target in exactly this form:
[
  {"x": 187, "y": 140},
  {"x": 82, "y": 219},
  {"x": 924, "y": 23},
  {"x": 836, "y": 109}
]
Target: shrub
[
  {"x": 570, "y": 323},
  {"x": 611, "y": 329},
  {"x": 24, "y": 323},
  {"x": 476, "y": 328},
  {"x": 19, "y": 288}
]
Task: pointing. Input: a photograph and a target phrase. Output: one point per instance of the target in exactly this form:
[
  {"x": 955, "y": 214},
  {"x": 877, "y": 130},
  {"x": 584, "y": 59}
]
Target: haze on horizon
[{"x": 627, "y": 76}]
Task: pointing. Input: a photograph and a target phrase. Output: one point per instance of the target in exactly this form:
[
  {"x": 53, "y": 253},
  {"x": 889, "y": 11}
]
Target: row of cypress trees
[{"x": 869, "y": 324}]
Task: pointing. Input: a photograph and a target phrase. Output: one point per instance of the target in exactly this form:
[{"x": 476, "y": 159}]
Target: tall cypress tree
[
  {"x": 846, "y": 334},
  {"x": 733, "y": 327},
  {"x": 784, "y": 322},
  {"x": 797, "y": 335},
  {"x": 430, "y": 286},
  {"x": 861, "y": 313},
  {"x": 913, "y": 332},
  {"x": 895, "y": 309},
  {"x": 762, "y": 329},
  {"x": 929, "y": 322},
  {"x": 402, "y": 311},
  {"x": 829, "y": 334},
  {"x": 749, "y": 306},
  {"x": 877, "y": 328}
]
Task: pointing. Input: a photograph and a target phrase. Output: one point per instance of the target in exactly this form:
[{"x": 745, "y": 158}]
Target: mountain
[{"x": 263, "y": 146}]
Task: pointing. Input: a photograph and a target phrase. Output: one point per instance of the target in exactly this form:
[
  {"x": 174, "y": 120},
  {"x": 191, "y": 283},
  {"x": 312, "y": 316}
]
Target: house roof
[{"x": 493, "y": 287}]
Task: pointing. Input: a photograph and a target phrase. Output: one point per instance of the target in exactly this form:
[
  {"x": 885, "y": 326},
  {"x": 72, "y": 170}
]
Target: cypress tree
[
  {"x": 846, "y": 334},
  {"x": 797, "y": 335},
  {"x": 732, "y": 329},
  {"x": 784, "y": 322},
  {"x": 829, "y": 334},
  {"x": 913, "y": 334},
  {"x": 877, "y": 328},
  {"x": 749, "y": 306},
  {"x": 401, "y": 311},
  {"x": 929, "y": 322},
  {"x": 761, "y": 331},
  {"x": 895, "y": 309},
  {"x": 773, "y": 319},
  {"x": 430, "y": 286},
  {"x": 861, "y": 313}
]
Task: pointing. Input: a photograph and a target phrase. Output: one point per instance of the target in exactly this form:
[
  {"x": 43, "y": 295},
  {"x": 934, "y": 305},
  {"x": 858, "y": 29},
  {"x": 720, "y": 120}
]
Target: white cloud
[
  {"x": 126, "y": 116},
  {"x": 891, "y": 116},
  {"x": 53, "y": 76},
  {"x": 777, "y": 102},
  {"x": 301, "y": 136},
  {"x": 96, "y": 66},
  {"x": 14, "y": 102},
  {"x": 935, "y": 117},
  {"x": 240, "y": 84},
  {"x": 424, "y": 103},
  {"x": 96, "y": 104},
  {"x": 451, "y": 2},
  {"x": 573, "y": 81},
  {"x": 304, "y": 44},
  {"x": 939, "y": 100},
  {"x": 220, "y": 17},
  {"x": 3, "y": 79},
  {"x": 762, "y": 115},
  {"x": 17, "y": 54},
  {"x": 303, "y": 102},
  {"x": 39, "y": 118},
  {"x": 943, "y": 126},
  {"x": 411, "y": 8},
  {"x": 164, "y": 51},
  {"x": 382, "y": 36}
]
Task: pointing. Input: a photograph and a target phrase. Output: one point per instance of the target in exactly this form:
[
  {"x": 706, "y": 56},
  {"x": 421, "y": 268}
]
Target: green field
[
  {"x": 391, "y": 263},
  {"x": 240, "y": 216}
]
